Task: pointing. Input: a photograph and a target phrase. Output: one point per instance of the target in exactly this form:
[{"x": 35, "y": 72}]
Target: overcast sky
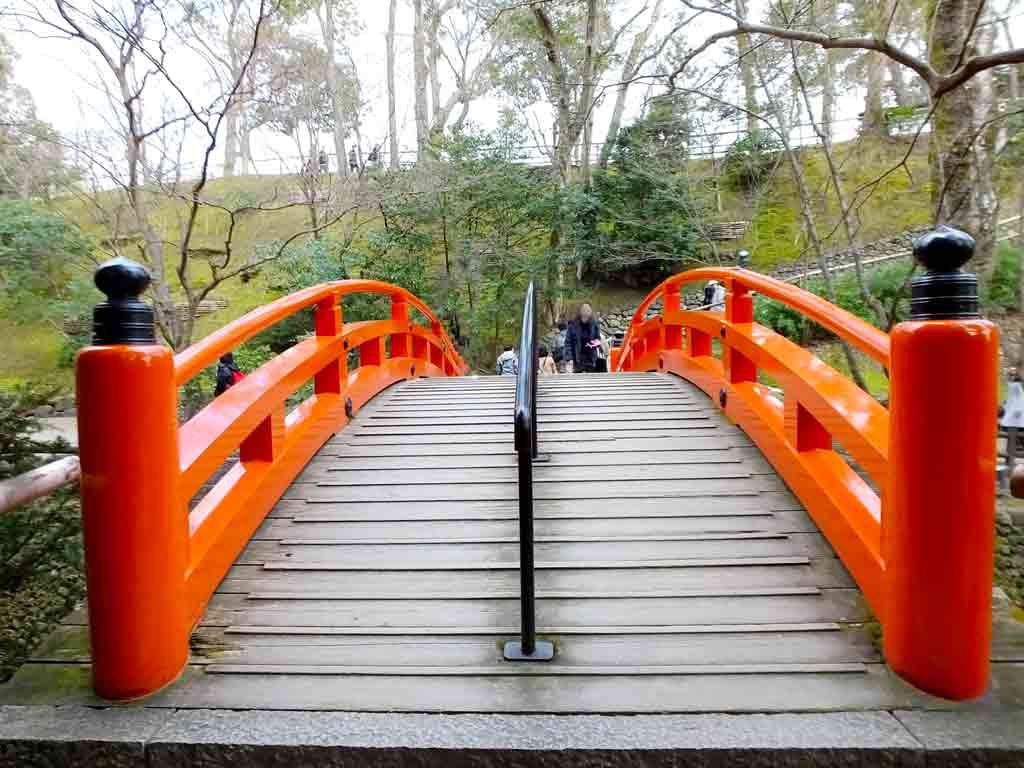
[{"x": 62, "y": 74}]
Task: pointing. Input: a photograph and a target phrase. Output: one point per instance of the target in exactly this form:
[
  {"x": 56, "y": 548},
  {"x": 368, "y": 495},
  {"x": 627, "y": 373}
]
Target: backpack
[{"x": 236, "y": 376}]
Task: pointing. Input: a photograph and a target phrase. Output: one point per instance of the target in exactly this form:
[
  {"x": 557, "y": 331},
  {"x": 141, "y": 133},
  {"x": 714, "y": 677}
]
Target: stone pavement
[{"x": 126, "y": 738}]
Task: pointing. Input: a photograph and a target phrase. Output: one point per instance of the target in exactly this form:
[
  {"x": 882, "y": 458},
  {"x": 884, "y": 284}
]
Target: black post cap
[
  {"x": 944, "y": 292},
  {"x": 122, "y": 318}
]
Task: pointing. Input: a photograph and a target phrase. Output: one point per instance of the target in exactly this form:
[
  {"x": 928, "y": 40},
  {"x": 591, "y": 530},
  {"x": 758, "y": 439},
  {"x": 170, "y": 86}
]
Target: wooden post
[
  {"x": 135, "y": 525},
  {"x": 938, "y": 525}
]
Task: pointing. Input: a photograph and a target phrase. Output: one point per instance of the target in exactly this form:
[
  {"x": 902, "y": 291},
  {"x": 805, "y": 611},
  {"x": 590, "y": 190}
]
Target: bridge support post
[
  {"x": 329, "y": 321},
  {"x": 135, "y": 526},
  {"x": 938, "y": 523}
]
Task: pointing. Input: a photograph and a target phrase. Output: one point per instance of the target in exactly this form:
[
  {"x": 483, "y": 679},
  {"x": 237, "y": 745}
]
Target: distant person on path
[
  {"x": 322, "y": 160},
  {"x": 709, "y": 295},
  {"x": 718, "y": 300},
  {"x": 546, "y": 363},
  {"x": 228, "y": 374},
  {"x": 353, "y": 160},
  {"x": 374, "y": 157},
  {"x": 561, "y": 358},
  {"x": 508, "y": 363},
  {"x": 1012, "y": 418},
  {"x": 602, "y": 355},
  {"x": 583, "y": 341}
]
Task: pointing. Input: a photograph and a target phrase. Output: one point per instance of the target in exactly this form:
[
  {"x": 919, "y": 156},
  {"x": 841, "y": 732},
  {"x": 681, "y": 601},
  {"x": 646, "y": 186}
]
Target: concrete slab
[{"x": 968, "y": 738}]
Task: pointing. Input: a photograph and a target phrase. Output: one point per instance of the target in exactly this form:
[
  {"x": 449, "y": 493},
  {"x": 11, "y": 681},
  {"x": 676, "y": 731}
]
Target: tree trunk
[
  {"x": 393, "y": 159},
  {"x": 419, "y": 80},
  {"x": 897, "y": 81},
  {"x": 828, "y": 94},
  {"x": 873, "y": 122},
  {"x": 434, "y": 47},
  {"x": 585, "y": 118},
  {"x": 630, "y": 69},
  {"x": 747, "y": 73},
  {"x": 962, "y": 193},
  {"x": 329, "y": 30},
  {"x": 230, "y": 140}
]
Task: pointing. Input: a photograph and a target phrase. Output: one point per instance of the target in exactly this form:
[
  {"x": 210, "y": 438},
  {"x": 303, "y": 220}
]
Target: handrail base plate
[{"x": 543, "y": 651}]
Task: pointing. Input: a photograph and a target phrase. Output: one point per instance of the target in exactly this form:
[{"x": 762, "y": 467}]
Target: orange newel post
[
  {"x": 135, "y": 526},
  {"x": 938, "y": 524},
  {"x": 400, "y": 342}
]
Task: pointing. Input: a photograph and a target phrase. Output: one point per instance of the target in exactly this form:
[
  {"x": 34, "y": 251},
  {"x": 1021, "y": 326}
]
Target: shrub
[
  {"x": 750, "y": 161},
  {"x": 1002, "y": 294},
  {"x": 41, "y": 556}
]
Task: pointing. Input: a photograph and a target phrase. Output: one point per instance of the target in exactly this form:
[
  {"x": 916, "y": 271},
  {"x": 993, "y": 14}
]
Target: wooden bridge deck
[{"x": 676, "y": 572}]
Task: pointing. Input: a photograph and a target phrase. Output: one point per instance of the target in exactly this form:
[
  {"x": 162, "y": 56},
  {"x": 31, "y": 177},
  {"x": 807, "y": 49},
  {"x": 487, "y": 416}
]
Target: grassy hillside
[{"x": 890, "y": 201}]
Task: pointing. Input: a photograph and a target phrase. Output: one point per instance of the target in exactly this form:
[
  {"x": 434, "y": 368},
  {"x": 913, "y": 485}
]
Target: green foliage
[
  {"x": 40, "y": 543},
  {"x": 888, "y": 284},
  {"x": 38, "y": 251},
  {"x": 640, "y": 214},
  {"x": 1002, "y": 292},
  {"x": 750, "y": 161}
]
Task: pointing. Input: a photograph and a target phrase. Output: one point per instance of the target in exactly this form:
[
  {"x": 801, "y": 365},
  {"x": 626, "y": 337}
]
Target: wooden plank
[
  {"x": 337, "y": 475},
  {"x": 418, "y": 541},
  {"x": 621, "y": 424},
  {"x": 875, "y": 689},
  {"x": 367, "y": 555},
  {"x": 387, "y": 447},
  {"x": 741, "y": 502},
  {"x": 349, "y": 461},
  {"x": 327, "y": 597},
  {"x": 524, "y": 670},
  {"x": 543, "y": 565},
  {"x": 552, "y": 406},
  {"x": 722, "y": 647},
  {"x": 725, "y": 486},
  {"x": 296, "y": 633},
  {"x": 830, "y": 606},
  {"x": 692, "y": 429},
  {"x": 827, "y": 573},
  {"x": 427, "y": 419},
  {"x": 780, "y": 522}
]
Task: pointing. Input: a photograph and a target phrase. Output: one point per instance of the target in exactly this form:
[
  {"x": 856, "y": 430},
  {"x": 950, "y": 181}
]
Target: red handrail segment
[
  {"x": 862, "y": 335},
  {"x": 917, "y": 538},
  {"x": 190, "y": 362},
  {"x": 155, "y": 564}
]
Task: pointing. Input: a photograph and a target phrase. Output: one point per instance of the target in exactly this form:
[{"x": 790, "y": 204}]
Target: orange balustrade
[
  {"x": 152, "y": 565},
  {"x": 917, "y": 538}
]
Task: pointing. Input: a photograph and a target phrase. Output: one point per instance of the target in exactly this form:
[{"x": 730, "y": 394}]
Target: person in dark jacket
[
  {"x": 228, "y": 374},
  {"x": 583, "y": 341}
]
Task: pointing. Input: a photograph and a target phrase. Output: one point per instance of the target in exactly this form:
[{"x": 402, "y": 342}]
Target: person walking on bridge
[
  {"x": 583, "y": 340},
  {"x": 228, "y": 374},
  {"x": 507, "y": 363}
]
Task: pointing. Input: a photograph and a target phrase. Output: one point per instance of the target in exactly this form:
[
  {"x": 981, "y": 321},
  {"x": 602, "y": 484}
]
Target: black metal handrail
[{"x": 528, "y": 647}]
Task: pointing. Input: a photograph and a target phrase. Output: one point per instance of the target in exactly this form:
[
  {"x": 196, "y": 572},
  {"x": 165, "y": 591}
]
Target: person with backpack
[
  {"x": 228, "y": 374},
  {"x": 546, "y": 363},
  {"x": 508, "y": 363},
  {"x": 583, "y": 341}
]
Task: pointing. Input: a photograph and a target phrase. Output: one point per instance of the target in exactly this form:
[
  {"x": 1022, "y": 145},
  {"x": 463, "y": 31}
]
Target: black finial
[
  {"x": 122, "y": 318},
  {"x": 944, "y": 292}
]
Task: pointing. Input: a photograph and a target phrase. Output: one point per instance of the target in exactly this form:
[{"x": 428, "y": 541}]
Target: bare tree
[
  {"x": 133, "y": 43},
  {"x": 393, "y": 159},
  {"x": 325, "y": 14},
  {"x": 954, "y": 62}
]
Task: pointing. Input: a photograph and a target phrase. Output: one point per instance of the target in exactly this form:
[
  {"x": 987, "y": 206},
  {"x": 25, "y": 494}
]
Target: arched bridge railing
[
  {"x": 151, "y": 563},
  {"x": 918, "y": 537}
]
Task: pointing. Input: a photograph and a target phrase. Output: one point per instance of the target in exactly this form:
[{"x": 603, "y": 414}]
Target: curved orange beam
[
  {"x": 192, "y": 361},
  {"x": 864, "y": 336}
]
